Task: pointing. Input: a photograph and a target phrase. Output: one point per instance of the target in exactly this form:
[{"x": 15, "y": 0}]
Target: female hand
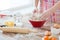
[{"x": 35, "y": 10}]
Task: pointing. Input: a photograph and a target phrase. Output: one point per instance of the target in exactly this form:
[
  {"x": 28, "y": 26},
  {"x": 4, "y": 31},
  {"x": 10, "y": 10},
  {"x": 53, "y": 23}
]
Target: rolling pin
[{"x": 17, "y": 30}]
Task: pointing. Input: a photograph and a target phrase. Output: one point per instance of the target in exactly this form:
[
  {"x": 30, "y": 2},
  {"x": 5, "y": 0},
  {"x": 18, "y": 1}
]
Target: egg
[
  {"x": 46, "y": 38},
  {"x": 47, "y": 33},
  {"x": 52, "y": 38},
  {"x": 57, "y": 26}
]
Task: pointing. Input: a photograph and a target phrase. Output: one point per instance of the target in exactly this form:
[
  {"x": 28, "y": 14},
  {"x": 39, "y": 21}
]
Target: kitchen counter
[{"x": 29, "y": 36}]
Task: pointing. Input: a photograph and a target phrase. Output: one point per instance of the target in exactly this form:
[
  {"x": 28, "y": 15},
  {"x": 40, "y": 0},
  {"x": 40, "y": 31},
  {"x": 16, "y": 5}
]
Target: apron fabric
[{"x": 46, "y": 4}]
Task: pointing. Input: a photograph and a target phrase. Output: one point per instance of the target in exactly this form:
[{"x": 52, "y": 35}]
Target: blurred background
[
  {"x": 22, "y": 6},
  {"x": 25, "y": 9}
]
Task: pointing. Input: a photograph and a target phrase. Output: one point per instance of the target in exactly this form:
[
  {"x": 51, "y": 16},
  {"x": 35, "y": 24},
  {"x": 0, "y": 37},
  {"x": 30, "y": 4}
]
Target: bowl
[{"x": 37, "y": 24}]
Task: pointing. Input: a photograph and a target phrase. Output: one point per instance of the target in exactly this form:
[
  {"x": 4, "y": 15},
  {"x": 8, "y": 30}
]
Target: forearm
[
  {"x": 51, "y": 10},
  {"x": 54, "y": 8},
  {"x": 36, "y": 3}
]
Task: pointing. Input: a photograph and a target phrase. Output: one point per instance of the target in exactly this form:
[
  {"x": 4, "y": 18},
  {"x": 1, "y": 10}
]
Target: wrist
[{"x": 36, "y": 8}]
